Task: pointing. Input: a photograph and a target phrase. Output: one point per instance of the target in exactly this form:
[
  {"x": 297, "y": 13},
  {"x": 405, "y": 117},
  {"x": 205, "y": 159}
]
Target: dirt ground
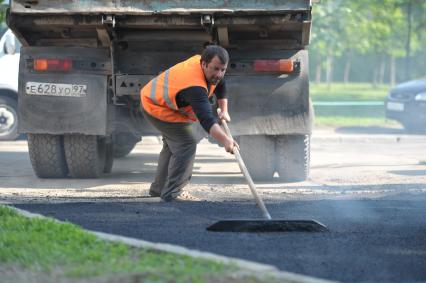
[{"x": 342, "y": 167}]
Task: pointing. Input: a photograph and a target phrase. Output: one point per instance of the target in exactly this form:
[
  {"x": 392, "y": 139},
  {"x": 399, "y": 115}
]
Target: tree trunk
[
  {"x": 382, "y": 69},
  {"x": 347, "y": 67},
  {"x": 318, "y": 72},
  {"x": 375, "y": 76},
  {"x": 408, "y": 43},
  {"x": 329, "y": 76},
  {"x": 392, "y": 71}
]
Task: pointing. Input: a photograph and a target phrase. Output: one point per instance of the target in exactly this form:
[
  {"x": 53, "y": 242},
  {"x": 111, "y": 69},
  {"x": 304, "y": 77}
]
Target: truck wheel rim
[{"x": 8, "y": 119}]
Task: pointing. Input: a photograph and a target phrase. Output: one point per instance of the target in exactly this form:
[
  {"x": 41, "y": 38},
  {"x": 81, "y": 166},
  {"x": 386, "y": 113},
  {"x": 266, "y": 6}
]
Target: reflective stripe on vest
[
  {"x": 152, "y": 93},
  {"x": 159, "y": 96},
  {"x": 166, "y": 90},
  {"x": 190, "y": 114}
]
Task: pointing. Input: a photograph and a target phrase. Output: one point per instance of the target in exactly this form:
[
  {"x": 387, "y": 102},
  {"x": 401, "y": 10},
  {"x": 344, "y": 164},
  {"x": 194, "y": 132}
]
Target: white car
[{"x": 9, "y": 69}]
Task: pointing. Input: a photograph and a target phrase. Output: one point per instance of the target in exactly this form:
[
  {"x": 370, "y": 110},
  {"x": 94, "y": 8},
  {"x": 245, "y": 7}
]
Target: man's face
[{"x": 214, "y": 71}]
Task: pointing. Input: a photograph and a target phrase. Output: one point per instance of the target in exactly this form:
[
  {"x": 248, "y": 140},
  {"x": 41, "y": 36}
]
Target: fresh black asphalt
[{"x": 376, "y": 240}]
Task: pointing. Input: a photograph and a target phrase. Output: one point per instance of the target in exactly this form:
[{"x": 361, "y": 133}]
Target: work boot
[
  {"x": 154, "y": 194},
  {"x": 183, "y": 196},
  {"x": 186, "y": 196}
]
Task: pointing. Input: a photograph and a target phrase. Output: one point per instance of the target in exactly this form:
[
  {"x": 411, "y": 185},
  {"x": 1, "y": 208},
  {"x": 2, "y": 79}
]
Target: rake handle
[{"x": 246, "y": 174}]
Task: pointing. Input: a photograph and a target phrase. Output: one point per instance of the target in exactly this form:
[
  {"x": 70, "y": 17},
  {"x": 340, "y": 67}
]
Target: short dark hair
[{"x": 215, "y": 50}]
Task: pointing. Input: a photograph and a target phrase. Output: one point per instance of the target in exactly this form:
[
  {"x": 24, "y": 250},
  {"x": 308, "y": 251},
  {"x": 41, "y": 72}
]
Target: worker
[{"x": 172, "y": 102}]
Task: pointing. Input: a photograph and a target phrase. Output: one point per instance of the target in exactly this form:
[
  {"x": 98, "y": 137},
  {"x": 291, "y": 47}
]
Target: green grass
[
  {"x": 348, "y": 92},
  {"x": 350, "y": 115},
  {"x": 45, "y": 246},
  {"x": 337, "y": 121}
]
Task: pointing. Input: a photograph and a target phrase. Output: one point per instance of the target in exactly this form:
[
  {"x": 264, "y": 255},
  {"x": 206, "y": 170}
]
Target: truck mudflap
[
  {"x": 275, "y": 124},
  {"x": 64, "y": 101},
  {"x": 271, "y": 104}
]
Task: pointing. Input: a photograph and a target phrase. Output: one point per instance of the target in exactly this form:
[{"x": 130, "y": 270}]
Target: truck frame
[{"x": 83, "y": 64}]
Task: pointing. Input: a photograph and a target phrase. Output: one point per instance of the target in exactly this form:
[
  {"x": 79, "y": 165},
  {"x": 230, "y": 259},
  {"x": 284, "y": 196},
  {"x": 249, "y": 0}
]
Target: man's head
[{"x": 214, "y": 62}]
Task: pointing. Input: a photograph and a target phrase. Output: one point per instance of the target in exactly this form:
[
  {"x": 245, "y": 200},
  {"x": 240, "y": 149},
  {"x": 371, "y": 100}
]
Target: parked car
[
  {"x": 406, "y": 103},
  {"x": 9, "y": 69}
]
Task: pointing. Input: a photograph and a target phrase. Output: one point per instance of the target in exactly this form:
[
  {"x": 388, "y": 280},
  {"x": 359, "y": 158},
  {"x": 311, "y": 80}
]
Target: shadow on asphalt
[{"x": 409, "y": 172}]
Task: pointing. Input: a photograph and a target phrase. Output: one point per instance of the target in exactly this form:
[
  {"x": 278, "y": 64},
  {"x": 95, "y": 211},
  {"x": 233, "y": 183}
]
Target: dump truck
[{"x": 83, "y": 64}]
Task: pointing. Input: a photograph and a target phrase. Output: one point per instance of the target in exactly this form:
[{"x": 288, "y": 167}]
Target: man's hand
[
  {"x": 225, "y": 116},
  {"x": 230, "y": 144},
  {"x": 223, "y": 106}
]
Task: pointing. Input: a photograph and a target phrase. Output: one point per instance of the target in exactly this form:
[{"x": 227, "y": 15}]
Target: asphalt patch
[{"x": 369, "y": 240}]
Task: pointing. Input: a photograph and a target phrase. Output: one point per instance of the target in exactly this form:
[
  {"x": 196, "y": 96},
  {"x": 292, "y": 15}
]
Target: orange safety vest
[{"x": 159, "y": 95}]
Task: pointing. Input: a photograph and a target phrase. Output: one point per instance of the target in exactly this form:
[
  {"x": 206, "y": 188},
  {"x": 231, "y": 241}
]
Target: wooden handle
[{"x": 246, "y": 174}]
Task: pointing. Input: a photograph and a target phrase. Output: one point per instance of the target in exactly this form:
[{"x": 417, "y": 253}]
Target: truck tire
[
  {"x": 47, "y": 155},
  {"x": 8, "y": 118},
  {"x": 109, "y": 158},
  {"x": 257, "y": 152},
  {"x": 121, "y": 150},
  {"x": 293, "y": 157},
  {"x": 85, "y": 155},
  {"x": 124, "y": 144}
]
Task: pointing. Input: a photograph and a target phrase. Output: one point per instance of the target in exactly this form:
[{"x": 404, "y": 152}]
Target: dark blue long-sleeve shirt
[{"x": 197, "y": 97}]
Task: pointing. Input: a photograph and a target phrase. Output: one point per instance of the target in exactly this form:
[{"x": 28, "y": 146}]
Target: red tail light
[
  {"x": 61, "y": 65},
  {"x": 281, "y": 66}
]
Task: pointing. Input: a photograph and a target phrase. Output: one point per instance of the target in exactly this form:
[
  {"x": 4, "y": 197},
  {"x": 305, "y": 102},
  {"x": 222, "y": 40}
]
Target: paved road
[{"x": 371, "y": 195}]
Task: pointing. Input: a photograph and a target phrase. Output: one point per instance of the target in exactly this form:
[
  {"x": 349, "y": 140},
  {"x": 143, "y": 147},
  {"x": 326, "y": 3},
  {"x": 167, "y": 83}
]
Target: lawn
[
  {"x": 347, "y": 113},
  {"x": 348, "y": 92},
  {"x": 45, "y": 248}
]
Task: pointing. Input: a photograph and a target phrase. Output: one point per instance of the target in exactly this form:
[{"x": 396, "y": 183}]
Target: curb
[{"x": 250, "y": 266}]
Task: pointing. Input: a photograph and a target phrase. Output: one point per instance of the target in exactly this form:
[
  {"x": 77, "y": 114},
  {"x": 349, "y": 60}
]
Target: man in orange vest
[{"x": 175, "y": 99}]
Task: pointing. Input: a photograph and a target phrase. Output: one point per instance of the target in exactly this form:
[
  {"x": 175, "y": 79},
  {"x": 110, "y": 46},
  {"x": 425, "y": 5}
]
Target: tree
[
  {"x": 327, "y": 28},
  {"x": 3, "y": 8},
  {"x": 414, "y": 11},
  {"x": 383, "y": 31}
]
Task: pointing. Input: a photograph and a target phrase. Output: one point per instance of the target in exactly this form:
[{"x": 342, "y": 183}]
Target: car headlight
[{"x": 421, "y": 96}]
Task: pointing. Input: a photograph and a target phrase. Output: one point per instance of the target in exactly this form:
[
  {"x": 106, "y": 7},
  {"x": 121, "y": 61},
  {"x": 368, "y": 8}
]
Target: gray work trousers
[{"x": 176, "y": 159}]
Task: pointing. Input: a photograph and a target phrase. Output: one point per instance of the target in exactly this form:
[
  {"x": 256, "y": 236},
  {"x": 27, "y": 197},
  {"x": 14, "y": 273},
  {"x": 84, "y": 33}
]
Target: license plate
[
  {"x": 395, "y": 106},
  {"x": 74, "y": 90}
]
